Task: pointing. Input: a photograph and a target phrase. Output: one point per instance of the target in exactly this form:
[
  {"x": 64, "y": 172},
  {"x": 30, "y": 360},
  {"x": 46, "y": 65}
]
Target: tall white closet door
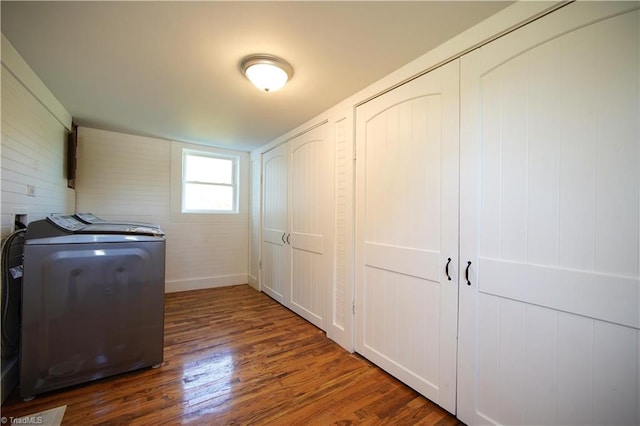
[
  {"x": 276, "y": 253},
  {"x": 310, "y": 177},
  {"x": 407, "y": 232},
  {"x": 550, "y": 184}
]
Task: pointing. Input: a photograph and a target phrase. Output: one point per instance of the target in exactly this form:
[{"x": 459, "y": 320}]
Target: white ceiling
[{"x": 170, "y": 69}]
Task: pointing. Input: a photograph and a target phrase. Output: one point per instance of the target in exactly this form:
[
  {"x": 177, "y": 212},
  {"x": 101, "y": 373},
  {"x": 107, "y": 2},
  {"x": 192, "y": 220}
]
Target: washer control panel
[{"x": 66, "y": 222}]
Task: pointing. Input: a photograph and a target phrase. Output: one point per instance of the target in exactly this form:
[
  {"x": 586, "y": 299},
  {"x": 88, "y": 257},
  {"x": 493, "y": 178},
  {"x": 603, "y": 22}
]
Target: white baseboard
[{"x": 202, "y": 283}]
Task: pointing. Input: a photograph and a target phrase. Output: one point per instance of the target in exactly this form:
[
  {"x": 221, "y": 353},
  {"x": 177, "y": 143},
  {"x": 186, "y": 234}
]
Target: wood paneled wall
[
  {"x": 126, "y": 177},
  {"x": 254, "y": 244},
  {"x": 33, "y": 154}
]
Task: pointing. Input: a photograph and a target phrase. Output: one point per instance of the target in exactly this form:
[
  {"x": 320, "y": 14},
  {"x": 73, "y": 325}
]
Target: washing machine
[{"x": 92, "y": 302}]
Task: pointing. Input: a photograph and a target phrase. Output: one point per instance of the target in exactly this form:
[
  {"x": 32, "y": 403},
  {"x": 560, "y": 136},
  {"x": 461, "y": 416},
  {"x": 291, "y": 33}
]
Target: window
[{"x": 209, "y": 182}]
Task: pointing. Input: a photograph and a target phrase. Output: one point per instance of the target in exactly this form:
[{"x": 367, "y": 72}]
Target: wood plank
[{"x": 235, "y": 356}]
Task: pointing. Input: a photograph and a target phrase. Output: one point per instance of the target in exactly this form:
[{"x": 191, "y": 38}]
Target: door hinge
[
  {"x": 260, "y": 267},
  {"x": 353, "y": 307}
]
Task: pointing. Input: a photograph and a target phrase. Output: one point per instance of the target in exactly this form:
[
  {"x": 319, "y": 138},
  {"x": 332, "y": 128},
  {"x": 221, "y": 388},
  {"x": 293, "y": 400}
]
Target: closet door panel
[
  {"x": 550, "y": 196},
  {"x": 275, "y": 250},
  {"x": 407, "y": 224},
  {"x": 310, "y": 177}
]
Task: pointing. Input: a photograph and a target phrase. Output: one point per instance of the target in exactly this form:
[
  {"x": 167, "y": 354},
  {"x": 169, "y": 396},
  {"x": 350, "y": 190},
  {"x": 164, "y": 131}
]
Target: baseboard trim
[{"x": 202, "y": 283}]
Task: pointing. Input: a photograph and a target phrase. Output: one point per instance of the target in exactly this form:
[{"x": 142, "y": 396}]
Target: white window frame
[{"x": 234, "y": 181}]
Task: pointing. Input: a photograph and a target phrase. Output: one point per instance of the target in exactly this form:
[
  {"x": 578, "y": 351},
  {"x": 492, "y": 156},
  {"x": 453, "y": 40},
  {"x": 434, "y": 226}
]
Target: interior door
[
  {"x": 407, "y": 232},
  {"x": 276, "y": 253},
  {"x": 550, "y": 160},
  {"x": 310, "y": 183}
]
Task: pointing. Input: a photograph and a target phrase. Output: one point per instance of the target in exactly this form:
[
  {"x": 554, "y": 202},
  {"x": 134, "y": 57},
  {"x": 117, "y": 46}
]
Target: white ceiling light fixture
[{"x": 266, "y": 72}]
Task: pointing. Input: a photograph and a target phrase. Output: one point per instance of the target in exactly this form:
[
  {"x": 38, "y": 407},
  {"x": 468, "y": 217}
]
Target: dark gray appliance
[{"x": 92, "y": 302}]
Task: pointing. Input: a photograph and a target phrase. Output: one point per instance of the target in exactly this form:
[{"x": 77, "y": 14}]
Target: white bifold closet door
[
  {"x": 407, "y": 232},
  {"x": 310, "y": 186},
  {"x": 297, "y": 188},
  {"x": 276, "y": 253},
  {"x": 550, "y": 184}
]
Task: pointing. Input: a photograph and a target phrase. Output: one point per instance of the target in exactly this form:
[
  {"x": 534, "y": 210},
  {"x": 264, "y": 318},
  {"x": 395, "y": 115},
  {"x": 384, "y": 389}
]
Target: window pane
[
  {"x": 207, "y": 197},
  {"x": 208, "y": 169}
]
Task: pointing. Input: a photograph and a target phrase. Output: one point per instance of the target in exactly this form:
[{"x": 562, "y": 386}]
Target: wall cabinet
[{"x": 297, "y": 217}]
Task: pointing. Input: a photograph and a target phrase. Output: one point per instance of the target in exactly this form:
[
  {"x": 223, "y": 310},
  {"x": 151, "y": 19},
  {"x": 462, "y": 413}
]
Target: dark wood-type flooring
[{"x": 234, "y": 356}]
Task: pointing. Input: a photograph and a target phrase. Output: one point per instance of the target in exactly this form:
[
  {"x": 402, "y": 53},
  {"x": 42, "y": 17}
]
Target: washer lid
[
  {"x": 118, "y": 228},
  {"x": 90, "y": 218},
  {"x": 48, "y": 231},
  {"x": 93, "y": 239}
]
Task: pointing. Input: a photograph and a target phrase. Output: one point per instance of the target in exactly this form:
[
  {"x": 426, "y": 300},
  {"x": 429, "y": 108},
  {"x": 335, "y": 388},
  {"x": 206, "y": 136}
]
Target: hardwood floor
[{"x": 234, "y": 356}]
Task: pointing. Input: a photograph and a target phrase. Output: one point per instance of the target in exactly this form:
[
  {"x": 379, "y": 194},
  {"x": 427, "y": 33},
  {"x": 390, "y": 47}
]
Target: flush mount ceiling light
[{"x": 266, "y": 72}]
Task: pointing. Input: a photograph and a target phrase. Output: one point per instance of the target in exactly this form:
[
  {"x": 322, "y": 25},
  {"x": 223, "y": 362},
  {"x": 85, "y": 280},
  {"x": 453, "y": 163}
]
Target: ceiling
[{"x": 170, "y": 69}]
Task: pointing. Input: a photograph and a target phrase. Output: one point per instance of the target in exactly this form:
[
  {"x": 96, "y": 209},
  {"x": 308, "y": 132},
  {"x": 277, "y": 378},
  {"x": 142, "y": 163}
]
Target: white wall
[
  {"x": 126, "y": 177},
  {"x": 34, "y": 135}
]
